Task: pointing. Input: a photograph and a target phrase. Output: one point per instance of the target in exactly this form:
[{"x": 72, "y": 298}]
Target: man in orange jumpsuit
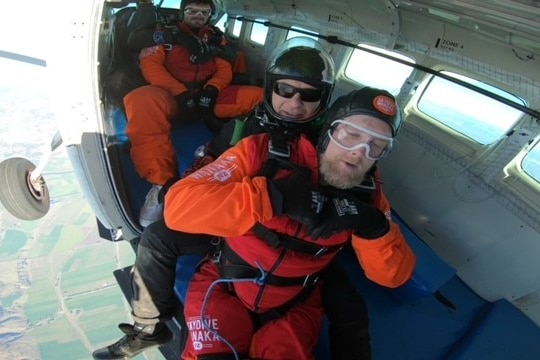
[
  {"x": 188, "y": 81},
  {"x": 283, "y": 217}
]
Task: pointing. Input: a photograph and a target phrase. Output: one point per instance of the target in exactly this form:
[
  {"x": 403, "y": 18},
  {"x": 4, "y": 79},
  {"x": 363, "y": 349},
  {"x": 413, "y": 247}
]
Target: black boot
[{"x": 137, "y": 339}]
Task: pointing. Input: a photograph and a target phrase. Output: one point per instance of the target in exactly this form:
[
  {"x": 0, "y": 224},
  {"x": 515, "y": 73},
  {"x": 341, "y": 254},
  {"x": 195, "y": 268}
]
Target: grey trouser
[{"x": 154, "y": 272}]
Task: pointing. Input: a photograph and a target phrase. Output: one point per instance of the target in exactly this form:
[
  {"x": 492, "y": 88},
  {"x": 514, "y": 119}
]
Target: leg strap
[{"x": 222, "y": 357}]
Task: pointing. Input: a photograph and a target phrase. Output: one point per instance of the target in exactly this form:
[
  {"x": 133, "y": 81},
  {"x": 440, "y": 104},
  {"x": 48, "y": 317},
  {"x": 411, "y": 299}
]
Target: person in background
[
  {"x": 189, "y": 81},
  {"x": 283, "y": 216}
]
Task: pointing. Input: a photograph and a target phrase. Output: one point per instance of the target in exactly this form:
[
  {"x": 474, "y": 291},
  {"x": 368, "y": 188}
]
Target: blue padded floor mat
[{"x": 187, "y": 137}]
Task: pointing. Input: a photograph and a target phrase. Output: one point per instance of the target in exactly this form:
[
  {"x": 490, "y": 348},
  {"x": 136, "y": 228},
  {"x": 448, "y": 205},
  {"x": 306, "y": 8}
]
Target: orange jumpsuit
[
  {"x": 227, "y": 198},
  {"x": 151, "y": 108}
]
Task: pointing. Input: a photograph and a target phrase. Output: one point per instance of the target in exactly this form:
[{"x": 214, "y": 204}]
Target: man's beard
[
  {"x": 195, "y": 27},
  {"x": 332, "y": 176}
]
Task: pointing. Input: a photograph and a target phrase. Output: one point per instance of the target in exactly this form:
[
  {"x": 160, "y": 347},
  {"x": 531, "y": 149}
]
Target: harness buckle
[
  {"x": 310, "y": 280},
  {"x": 322, "y": 251},
  {"x": 280, "y": 152},
  {"x": 216, "y": 257},
  {"x": 168, "y": 47}
]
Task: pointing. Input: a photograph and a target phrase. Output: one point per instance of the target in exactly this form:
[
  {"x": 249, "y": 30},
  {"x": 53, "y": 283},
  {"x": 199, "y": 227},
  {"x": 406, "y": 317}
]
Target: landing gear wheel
[{"x": 20, "y": 196}]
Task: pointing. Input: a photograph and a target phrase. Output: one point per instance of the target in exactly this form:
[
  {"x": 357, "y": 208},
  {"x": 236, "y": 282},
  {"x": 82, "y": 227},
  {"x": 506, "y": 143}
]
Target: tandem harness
[
  {"x": 232, "y": 266},
  {"x": 201, "y": 51},
  {"x": 279, "y": 158}
]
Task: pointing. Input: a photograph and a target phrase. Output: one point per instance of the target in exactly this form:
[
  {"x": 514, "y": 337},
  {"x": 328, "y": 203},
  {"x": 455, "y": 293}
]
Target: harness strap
[
  {"x": 278, "y": 240},
  {"x": 273, "y": 164},
  {"x": 223, "y": 357},
  {"x": 279, "y": 149},
  {"x": 270, "y": 168},
  {"x": 276, "y": 313},
  {"x": 201, "y": 51},
  {"x": 231, "y": 265},
  {"x": 308, "y": 282}
]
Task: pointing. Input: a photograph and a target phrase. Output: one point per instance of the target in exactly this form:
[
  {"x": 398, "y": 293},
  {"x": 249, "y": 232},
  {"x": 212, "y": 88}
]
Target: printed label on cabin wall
[
  {"x": 335, "y": 18},
  {"x": 450, "y": 45}
]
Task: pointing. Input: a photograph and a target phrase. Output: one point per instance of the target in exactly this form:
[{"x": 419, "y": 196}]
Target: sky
[{"x": 26, "y": 32}]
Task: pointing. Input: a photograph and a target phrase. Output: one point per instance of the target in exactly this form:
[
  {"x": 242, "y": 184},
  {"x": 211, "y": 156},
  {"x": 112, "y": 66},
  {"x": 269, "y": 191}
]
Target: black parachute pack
[{"x": 149, "y": 35}]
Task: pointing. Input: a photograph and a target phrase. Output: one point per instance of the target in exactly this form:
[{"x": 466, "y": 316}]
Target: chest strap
[
  {"x": 278, "y": 240},
  {"x": 232, "y": 266}
]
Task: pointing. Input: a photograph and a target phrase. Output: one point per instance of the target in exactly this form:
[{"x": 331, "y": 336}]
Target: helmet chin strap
[{"x": 280, "y": 129}]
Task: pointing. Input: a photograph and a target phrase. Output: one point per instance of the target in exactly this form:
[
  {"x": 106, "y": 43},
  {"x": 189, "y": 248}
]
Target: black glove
[
  {"x": 207, "y": 101},
  {"x": 297, "y": 198},
  {"x": 342, "y": 213},
  {"x": 188, "y": 107}
]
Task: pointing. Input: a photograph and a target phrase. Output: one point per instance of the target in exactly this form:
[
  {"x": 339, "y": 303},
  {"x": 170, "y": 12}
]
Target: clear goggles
[
  {"x": 354, "y": 137},
  {"x": 193, "y": 11}
]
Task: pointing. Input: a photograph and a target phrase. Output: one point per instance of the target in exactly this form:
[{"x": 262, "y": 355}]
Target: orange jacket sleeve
[
  {"x": 388, "y": 260},
  {"x": 225, "y": 198},
  {"x": 223, "y": 76},
  {"x": 152, "y": 61}
]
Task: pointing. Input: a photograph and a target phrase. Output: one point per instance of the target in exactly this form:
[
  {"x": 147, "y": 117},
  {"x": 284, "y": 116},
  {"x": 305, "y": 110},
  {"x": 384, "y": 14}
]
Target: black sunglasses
[{"x": 288, "y": 91}]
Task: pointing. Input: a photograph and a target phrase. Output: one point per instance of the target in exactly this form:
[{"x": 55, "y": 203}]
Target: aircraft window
[
  {"x": 258, "y": 32},
  {"x": 373, "y": 70},
  {"x": 531, "y": 162},
  {"x": 221, "y": 22},
  {"x": 292, "y": 33},
  {"x": 172, "y": 4},
  {"x": 237, "y": 27},
  {"x": 478, "y": 117}
]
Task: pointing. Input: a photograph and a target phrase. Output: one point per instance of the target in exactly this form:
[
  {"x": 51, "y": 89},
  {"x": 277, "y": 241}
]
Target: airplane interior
[{"x": 463, "y": 176}]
